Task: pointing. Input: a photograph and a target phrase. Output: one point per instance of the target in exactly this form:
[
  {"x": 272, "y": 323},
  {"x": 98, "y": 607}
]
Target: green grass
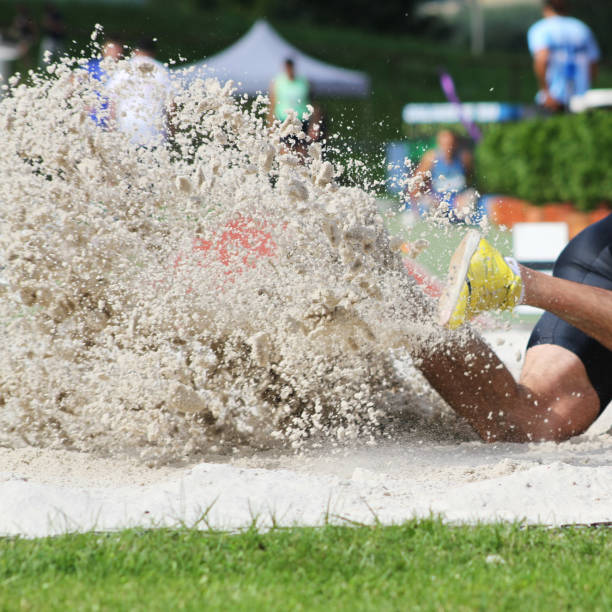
[
  {"x": 442, "y": 239},
  {"x": 420, "y": 565}
]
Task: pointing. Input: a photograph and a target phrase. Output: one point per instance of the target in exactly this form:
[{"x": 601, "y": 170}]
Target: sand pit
[
  {"x": 217, "y": 329},
  {"x": 52, "y": 491}
]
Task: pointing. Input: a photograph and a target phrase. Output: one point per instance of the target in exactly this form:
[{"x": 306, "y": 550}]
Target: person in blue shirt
[
  {"x": 565, "y": 56},
  {"x": 441, "y": 182},
  {"x": 111, "y": 50}
]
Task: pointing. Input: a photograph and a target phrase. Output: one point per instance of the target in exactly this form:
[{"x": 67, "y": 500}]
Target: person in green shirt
[{"x": 290, "y": 92}]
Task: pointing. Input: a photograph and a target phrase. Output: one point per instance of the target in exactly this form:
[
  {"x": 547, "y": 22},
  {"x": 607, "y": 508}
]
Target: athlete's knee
[
  {"x": 565, "y": 418},
  {"x": 556, "y": 387}
]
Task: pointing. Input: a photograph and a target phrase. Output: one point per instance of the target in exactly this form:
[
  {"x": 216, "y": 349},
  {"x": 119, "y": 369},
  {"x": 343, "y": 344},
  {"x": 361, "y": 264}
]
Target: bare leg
[
  {"x": 553, "y": 401},
  {"x": 554, "y": 398},
  {"x": 558, "y": 380},
  {"x": 583, "y": 306}
]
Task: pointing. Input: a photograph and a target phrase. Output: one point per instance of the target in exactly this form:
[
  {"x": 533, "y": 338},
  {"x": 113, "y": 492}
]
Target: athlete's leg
[
  {"x": 553, "y": 401},
  {"x": 566, "y": 377},
  {"x": 578, "y": 302},
  {"x": 558, "y": 380}
]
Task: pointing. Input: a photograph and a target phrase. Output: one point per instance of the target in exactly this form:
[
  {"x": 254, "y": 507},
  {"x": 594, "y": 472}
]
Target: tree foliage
[
  {"x": 597, "y": 14},
  {"x": 386, "y": 16},
  {"x": 559, "y": 159}
]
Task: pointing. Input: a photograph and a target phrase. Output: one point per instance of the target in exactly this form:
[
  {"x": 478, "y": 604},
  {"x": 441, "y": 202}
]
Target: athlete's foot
[{"x": 479, "y": 279}]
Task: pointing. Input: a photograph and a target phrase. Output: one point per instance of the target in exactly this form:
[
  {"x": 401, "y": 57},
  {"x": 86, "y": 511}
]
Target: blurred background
[{"x": 403, "y": 47}]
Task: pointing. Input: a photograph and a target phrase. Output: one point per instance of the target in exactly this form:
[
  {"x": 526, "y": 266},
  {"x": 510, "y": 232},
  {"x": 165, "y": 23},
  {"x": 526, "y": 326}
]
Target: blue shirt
[
  {"x": 99, "y": 114},
  {"x": 572, "y": 49},
  {"x": 448, "y": 177}
]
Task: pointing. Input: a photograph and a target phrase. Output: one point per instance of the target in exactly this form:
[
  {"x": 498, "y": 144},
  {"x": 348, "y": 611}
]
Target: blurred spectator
[
  {"x": 140, "y": 94},
  {"x": 23, "y": 31},
  {"x": 52, "y": 43},
  {"x": 565, "y": 55},
  {"x": 440, "y": 184},
  {"x": 289, "y": 92},
  {"x": 111, "y": 52}
]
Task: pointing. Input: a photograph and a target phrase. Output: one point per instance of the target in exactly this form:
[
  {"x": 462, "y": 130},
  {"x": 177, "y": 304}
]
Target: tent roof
[{"x": 256, "y": 58}]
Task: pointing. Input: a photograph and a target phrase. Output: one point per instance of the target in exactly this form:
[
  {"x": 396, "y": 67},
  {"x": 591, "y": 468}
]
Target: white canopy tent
[{"x": 256, "y": 58}]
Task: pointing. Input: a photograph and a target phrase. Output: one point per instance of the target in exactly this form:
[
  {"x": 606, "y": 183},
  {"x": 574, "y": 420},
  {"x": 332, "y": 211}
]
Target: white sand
[
  {"x": 48, "y": 491},
  {"x": 201, "y": 302}
]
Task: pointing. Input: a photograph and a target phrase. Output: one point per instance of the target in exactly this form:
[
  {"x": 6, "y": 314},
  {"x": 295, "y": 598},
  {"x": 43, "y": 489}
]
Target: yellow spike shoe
[{"x": 479, "y": 279}]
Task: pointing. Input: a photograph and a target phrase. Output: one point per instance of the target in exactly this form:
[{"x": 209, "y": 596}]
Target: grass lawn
[
  {"x": 442, "y": 239},
  {"x": 420, "y": 565}
]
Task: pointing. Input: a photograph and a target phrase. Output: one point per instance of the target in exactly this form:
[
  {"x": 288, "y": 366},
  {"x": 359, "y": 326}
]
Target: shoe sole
[{"x": 457, "y": 271}]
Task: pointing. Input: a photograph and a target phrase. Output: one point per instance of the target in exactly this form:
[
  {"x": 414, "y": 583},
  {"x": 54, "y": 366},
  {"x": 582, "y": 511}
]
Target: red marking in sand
[
  {"x": 430, "y": 285},
  {"x": 243, "y": 240},
  {"x": 238, "y": 246}
]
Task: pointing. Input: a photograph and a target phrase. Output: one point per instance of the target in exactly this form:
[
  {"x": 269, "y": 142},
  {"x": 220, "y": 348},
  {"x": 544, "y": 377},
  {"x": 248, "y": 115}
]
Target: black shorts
[{"x": 587, "y": 259}]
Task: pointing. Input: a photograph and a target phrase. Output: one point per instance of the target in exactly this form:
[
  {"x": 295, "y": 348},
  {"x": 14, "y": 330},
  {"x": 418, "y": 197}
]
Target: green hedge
[{"x": 565, "y": 158}]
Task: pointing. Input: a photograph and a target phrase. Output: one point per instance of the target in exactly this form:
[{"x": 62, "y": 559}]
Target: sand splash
[{"x": 211, "y": 292}]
